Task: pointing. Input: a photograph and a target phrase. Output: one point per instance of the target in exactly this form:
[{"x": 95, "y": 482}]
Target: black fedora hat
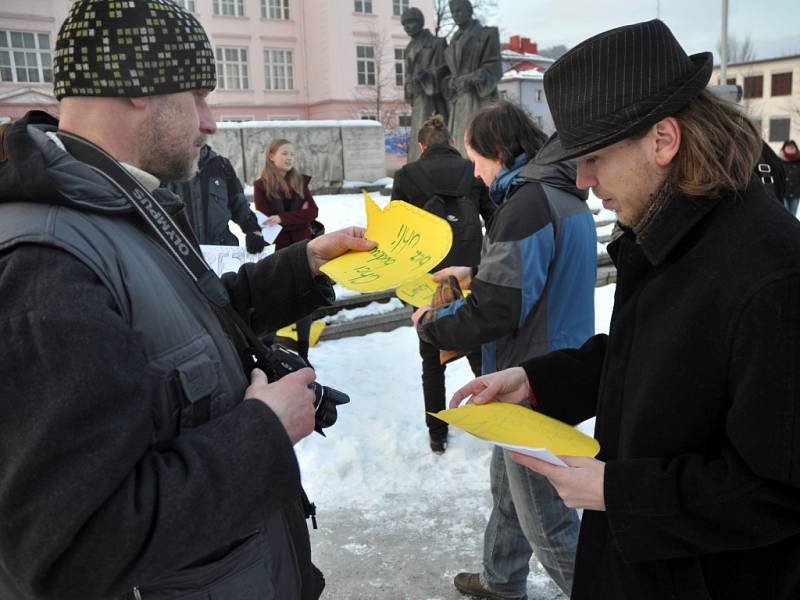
[{"x": 616, "y": 84}]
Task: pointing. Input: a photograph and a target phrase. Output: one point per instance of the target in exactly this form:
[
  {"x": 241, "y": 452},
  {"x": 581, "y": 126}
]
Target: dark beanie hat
[{"x": 131, "y": 48}]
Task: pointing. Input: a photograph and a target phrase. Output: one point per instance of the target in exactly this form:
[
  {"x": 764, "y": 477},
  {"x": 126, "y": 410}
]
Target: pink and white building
[{"x": 276, "y": 59}]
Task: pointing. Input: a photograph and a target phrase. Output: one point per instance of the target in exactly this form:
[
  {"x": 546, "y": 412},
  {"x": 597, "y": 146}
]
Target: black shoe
[
  {"x": 438, "y": 445},
  {"x": 470, "y": 584}
]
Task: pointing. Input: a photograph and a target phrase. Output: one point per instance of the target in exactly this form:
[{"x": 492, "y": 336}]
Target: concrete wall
[{"x": 331, "y": 152}]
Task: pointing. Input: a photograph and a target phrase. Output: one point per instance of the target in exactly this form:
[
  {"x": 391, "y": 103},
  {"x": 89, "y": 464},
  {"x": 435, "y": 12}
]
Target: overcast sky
[{"x": 773, "y": 25}]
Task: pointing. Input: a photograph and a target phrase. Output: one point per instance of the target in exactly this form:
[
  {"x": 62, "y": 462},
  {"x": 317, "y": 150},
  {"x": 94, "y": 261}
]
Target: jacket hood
[
  {"x": 37, "y": 170},
  {"x": 206, "y": 156},
  {"x": 560, "y": 175}
]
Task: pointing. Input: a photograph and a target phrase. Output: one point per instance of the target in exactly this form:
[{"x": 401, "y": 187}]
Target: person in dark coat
[
  {"x": 138, "y": 457},
  {"x": 790, "y": 156},
  {"x": 696, "y": 490},
  {"x": 213, "y": 198},
  {"x": 442, "y": 170},
  {"x": 283, "y": 195}
]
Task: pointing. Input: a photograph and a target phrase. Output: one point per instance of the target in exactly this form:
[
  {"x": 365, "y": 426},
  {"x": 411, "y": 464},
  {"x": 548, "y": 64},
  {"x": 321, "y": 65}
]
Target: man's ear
[{"x": 668, "y": 140}]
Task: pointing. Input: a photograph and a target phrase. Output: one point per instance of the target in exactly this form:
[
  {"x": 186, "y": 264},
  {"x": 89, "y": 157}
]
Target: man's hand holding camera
[{"x": 289, "y": 398}]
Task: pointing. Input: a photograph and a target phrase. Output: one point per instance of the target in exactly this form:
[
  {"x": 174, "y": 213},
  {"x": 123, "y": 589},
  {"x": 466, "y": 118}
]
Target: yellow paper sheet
[
  {"x": 520, "y": 426},
  {"x": 411, "y": 241},
  {"x": 419, "y": 292},
  {"x": 313, "y": 337}
]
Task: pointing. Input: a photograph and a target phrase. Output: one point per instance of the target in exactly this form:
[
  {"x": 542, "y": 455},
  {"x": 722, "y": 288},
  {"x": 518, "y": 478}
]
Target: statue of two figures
[{"x": 453, "y": 80}]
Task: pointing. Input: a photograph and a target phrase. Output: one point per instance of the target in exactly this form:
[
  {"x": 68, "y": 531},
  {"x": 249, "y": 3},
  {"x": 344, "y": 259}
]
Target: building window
[
  {"x": 504, "y": 94},
  {"x": 731, "y": 80},
  {"x": 781, "y": 84},
  {"x": 399, "y": 7},
  {"x": 232, "y": 68},
  {"x": 779, "y": 129},
  {"x": 25, "y": 57},
  {"x": 186, "y": 4},
  {"x": 369, "y": 117},
  {"x": 754, "y": 86},
  {"x": 400, "y": 66},
  {"x": 229, "y": 8},
  {"x": 757, "y": 125},
  {"x": 237, "y": 118},
  {"x": 404, "y": 121},
  {"x": 275, "y": 9},
  {"x": 365, "y": 65},
  {"x": 284, "y": 118},
  {"x": 363, "y": 6},
  {"x": 278, "y": 69}
]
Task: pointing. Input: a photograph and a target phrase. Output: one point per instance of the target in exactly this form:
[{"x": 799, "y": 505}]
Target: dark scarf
[{"x": 665, "y": 194}]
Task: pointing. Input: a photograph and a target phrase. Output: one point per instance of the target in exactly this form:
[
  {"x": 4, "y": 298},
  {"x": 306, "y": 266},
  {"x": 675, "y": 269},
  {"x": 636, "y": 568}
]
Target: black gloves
[{"x": 254, "y": 242}]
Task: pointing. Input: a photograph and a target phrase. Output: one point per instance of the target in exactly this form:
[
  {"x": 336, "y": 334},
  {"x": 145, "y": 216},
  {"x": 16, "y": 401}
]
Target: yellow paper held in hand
[
  {"x": 520, "y": 426},
  {"x": 313, "y": 337},
  {"x": 411, "y": 241},
  {"x": 419, "y": 292}
]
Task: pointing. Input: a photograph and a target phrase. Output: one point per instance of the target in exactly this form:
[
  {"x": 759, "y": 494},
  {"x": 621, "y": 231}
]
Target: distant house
[
  {"x": 771, "y": 95},
  {"x": 523, "y": 79},
  {"x": 276, "y": 59}
]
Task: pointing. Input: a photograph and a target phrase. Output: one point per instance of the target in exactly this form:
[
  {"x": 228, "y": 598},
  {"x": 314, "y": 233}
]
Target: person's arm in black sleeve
[
  {"x": 88, "y": 508},
  {"x": 565, "y": 382},
  {"x": 278, "y": 289}
]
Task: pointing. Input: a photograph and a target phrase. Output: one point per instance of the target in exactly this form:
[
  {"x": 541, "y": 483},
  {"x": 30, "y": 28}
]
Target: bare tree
[
  {"x": 444, "y": 26},
  {"x": 738, "y": 51},
  {"x": 379, "y": 95},
  {"x": 554, "y": 51}
]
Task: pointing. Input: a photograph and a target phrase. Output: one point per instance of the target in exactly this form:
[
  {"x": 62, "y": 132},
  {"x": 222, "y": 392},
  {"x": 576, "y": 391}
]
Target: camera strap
[{"x": 163, "y": 229}]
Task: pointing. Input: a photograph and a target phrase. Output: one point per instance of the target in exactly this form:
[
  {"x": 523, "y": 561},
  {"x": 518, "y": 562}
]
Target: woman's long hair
[
  {"x": 275, "y": 181},
  {"x": 502, "y": 131},
  {"x": 719, "y": 148}
]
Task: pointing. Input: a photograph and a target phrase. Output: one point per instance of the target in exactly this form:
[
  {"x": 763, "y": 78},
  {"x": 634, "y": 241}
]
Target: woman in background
[
  {"x": 791, "y": 165},
  {"x": 282, "y": 194}
]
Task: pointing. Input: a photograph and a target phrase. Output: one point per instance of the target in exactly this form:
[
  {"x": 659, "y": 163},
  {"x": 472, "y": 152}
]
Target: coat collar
[{"x": 671, "y": 225}]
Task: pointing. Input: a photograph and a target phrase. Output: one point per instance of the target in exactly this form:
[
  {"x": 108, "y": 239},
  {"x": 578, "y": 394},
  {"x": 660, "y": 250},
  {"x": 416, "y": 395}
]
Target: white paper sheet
[
  {"x": 271, "y": 232},
  {"x": 540, "y": 453},
  {"x": 227, "y": 259}
]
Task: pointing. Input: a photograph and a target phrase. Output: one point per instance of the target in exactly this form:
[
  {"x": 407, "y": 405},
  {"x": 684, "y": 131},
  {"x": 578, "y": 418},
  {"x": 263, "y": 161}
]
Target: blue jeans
[{"x": 528, "y": 517}]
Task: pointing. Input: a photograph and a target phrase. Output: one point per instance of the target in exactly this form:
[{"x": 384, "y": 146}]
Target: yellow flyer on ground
[
  {"x": 410, "y": 240},
  {"x": 419, "y": 292},
  {"x": 518, "y": 427},
  {"x": 313, "y": 337}
]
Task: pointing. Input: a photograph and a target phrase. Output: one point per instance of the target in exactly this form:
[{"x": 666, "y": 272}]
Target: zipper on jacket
[{"x": 136, "y": 594}]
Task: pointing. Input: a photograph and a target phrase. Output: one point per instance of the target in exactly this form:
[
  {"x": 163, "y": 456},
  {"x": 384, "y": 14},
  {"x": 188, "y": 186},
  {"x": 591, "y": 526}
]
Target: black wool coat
[{"x": 697, "y": 395}]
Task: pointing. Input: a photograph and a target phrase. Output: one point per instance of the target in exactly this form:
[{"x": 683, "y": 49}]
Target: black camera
[{"x": 280, "y": 361}]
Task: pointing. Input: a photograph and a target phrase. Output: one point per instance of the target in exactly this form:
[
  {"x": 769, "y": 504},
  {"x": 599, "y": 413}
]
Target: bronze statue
[
  {"x": 473, "y": 61},
  {"x": 424, "y": 64}
]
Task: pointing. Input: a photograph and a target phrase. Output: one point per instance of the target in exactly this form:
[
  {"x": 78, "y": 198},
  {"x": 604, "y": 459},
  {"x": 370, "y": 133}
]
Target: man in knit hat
[
  {"x": 140, "y": 457},
  {"x": 696, "y": 490}
]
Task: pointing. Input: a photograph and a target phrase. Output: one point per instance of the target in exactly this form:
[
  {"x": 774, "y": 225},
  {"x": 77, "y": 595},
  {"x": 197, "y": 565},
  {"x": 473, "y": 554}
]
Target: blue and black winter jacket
[{"x": 534, "y": 289}]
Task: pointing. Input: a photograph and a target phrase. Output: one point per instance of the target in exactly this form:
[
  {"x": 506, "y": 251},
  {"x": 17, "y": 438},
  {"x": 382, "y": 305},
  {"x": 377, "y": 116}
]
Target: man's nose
[
  {"x": 583, "y": 178},
  {"x": 207, "y": 123}
]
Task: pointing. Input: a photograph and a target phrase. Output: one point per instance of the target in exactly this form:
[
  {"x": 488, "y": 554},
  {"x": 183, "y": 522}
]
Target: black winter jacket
[
  {"x": 128, "y": 457},
  {"x": 697, "y": 395},
  {"x": 214, "y": 198},
  {"x": 443, "y": 167}
]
